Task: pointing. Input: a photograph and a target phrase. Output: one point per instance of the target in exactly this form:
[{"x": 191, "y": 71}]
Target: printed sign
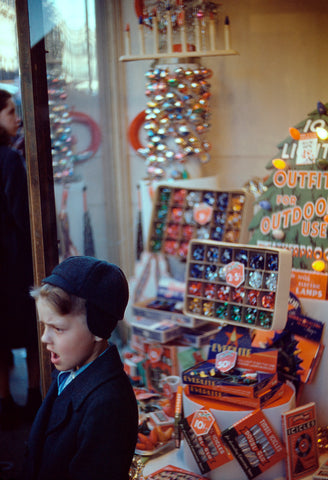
[
  {"x": 202, "y": 422},
  {"x": 225, "y": 361},
  {"x": 235, "y": 274}
]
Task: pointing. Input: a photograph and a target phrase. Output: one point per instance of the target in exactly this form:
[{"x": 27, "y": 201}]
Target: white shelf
[{"x": 152, "y": 56}]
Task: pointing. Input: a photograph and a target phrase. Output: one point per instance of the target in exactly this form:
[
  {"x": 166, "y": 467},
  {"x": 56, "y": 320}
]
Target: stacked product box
[
  {"x": 160, "y": 308},
  {"x": 253, "y": 382},
  {"x": 160, "y": 320},
  {"x": 163, "y": 330},
  {"x": 161, "y": 360},
  {"x": 240, "y": 375}
]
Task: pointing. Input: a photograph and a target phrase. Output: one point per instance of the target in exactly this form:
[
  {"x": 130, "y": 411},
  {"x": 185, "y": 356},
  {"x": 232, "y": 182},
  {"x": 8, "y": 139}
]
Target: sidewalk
[{"x": 12, "y": 443}]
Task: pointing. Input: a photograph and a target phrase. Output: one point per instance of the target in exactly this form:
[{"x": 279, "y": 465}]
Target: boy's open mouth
[{"x": 54, "y": 357}]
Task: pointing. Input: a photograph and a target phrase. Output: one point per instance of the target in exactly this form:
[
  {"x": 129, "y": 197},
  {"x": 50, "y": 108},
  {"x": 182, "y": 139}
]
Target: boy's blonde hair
[{"x": 62, "y": 302}]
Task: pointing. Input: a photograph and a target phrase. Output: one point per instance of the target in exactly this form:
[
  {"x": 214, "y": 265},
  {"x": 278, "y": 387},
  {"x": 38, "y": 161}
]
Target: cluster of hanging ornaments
[
  {"x": 61, "y": 128},
  {"x": 184, "y": 13},
  {"x": 177, "y": 118}
]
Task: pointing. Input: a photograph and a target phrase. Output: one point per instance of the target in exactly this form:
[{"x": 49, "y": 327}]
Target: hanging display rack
[{"x": 174, "y": 43}]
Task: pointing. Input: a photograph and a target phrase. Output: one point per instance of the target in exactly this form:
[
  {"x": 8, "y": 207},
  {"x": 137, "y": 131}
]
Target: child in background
[{"x": 86, "y": 427}]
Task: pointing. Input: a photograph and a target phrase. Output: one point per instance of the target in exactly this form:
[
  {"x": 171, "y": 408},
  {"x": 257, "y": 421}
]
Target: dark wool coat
[
  {"x": 89, "y": 431},
  {"x": 18, "y": 325}
]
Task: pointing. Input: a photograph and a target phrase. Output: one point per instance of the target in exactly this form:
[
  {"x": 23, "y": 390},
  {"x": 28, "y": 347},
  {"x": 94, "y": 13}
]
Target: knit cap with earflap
[{"x": 103, "y": 285}]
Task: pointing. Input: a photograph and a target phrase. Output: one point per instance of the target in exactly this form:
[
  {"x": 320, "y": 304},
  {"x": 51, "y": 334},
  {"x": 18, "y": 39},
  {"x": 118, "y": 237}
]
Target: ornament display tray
[
  {"x": 180, "y": 214},
  {"x": 238, "y": 284}
]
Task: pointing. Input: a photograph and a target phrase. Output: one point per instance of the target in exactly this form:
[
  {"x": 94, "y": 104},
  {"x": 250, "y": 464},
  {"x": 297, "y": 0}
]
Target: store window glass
[
  {"x": 69, "y": 32},
  {"x": 9, "y": 64},
  {"x": 70, "y": 41}
]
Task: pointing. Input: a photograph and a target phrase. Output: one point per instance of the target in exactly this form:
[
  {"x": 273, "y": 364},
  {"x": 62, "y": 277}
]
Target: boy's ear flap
[{"x": 100, "y": 323}]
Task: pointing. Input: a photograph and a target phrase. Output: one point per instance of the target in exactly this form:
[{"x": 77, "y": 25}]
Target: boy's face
[{"x": 67, "y": 337}]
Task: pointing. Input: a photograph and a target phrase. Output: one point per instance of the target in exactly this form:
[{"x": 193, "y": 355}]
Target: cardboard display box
[
  {"x": 181, "y": 214},
  {"x": 201, "y": 374},
  {"x": 159, "y": 308},
  {"x": 200, "y": 336},
  {"x": 237, "y": 284},
  {"x": 300, "y": 436},
  {"x": 162, "y": 331}
]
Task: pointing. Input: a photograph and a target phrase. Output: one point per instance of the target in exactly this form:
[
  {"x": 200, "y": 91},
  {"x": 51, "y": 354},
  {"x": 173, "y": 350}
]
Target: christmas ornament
[
  {"x": 222, "y": 311},
  {"x": 209, "y": 291},
  {"x": 63, "y": 143},
  {"x": 223, "y": 293},
  {"x": 175, "y": 121},
  {"x": 322, "y": 110},
  {"x": 278, "y": 234}
]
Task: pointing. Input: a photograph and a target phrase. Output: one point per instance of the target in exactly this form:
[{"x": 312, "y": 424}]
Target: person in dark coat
[
  {"x": 86, "y": 428},
  {"x": 18, "y": 324}
]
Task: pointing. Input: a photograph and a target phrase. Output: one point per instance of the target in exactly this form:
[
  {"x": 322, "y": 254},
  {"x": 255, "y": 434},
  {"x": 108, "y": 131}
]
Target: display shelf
[
  {"x": 186, "y": 54},
  {"x": 174, "y": 43}
]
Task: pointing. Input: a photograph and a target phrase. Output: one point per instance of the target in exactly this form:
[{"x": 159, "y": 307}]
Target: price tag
[
  {"x": 225, "y": 361},
  {"x": 155, "y": 354},
  {"x": 202, "y": 422},
  {"x": 235, "y": 274}
]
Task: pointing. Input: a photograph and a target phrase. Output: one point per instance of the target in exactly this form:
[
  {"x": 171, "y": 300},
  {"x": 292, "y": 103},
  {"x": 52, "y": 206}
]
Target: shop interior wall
[
  {"x": 275, "y": 81},
  {"x": 278, "y": 77}
]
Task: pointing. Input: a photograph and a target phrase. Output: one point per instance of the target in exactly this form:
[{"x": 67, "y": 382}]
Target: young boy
[{"x": 86, "y": 427}]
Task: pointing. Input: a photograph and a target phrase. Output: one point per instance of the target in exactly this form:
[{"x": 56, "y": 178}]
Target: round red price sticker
[
  {"x": 154, "y": 354},
  {"x": 202, "y": 422},
  {"x": 235, "y": 274}
]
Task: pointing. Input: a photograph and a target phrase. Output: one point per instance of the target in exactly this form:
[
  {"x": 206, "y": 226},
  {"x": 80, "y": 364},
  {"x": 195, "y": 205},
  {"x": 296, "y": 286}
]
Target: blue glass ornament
[
  {"x": 322, "y": 110},
  {"x": 198, "y": 253},
  {"x": 241, "y": 257},
  {"x": 196, "y": 270},
  {"x": 257, "y": 262},
  {"x": 226, "y": 255},
  {"x": 222, "y": 201},
  {"x": 212, "y": 254},
  {"x": 265, "y": 204},
  {"x": 211, "y": 272},
  {"x": 272, "y": 262},
  {"x": 209, "y": 198}
]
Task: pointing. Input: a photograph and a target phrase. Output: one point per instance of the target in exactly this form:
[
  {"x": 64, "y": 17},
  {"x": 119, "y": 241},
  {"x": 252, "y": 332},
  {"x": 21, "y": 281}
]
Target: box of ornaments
[
  {"x": 180, "y": 214},
  {"x": 237, "y": 284}
]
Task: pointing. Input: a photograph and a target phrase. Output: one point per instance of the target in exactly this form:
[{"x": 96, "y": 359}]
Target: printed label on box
[
  {"x": 208, "y": 448},
  {"x": 300, "y": 435}
]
